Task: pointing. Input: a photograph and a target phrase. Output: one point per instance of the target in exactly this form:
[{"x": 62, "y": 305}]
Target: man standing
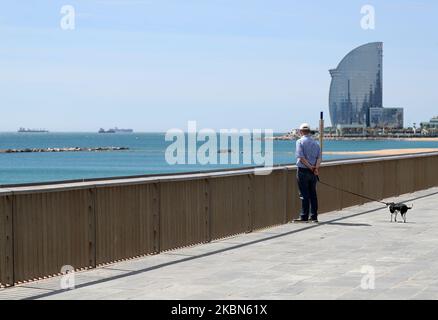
[{"x": 308, "y": 154}]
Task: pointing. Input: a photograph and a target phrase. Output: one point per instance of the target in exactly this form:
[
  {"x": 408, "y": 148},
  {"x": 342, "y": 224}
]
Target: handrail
[{"x": 155, "y": 178}]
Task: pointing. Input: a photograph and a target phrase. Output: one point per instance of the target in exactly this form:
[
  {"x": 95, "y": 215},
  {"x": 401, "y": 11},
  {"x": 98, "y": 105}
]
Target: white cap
[{"x": 305, "y": 126}]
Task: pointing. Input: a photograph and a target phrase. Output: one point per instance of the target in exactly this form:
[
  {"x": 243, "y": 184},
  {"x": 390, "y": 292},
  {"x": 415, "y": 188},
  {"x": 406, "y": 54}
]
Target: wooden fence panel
[
  {"x": 407, "y": 174},
  {"x": 184, "y": 213},
  {"x": 431, "y": 171},
  {"x": 420, "y": 169},
  {"x": 51, "y": 230},
  {"x": 329, "y": 199},
  {"x": 373, "y": 177},
  {"x": 391, "y": 178},
  {"x": 293, "y": 204},
  {"x": 125, "y": 217},
  {"x": 230, "y": 205},
  {"x": 6, "y": 246},
  {"x": 351, "y": 180},
  {"x": 270, "y": 198}
]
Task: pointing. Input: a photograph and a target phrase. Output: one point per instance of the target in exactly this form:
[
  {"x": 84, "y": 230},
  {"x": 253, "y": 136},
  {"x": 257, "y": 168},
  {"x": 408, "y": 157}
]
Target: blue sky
[{"x": 155, "y": 64}]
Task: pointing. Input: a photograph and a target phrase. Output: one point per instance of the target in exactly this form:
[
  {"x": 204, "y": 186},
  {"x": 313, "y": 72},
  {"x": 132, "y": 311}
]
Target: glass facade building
[{"x": 356, "y": 86}]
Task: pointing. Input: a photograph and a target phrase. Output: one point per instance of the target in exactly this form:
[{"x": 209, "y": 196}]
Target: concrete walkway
[{"x": 337, "y": 259}]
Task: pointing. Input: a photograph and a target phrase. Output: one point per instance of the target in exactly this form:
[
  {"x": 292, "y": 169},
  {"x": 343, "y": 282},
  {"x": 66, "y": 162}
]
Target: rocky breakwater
[{"x": 68, "y": 149}]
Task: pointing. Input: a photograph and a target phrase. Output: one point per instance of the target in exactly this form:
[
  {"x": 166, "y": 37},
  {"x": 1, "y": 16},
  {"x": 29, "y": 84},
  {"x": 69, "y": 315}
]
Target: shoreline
[
  {"x": 433, "y": 139},
  {"x": 383, "y": 152},
  {"x": 413, "y": 139}
]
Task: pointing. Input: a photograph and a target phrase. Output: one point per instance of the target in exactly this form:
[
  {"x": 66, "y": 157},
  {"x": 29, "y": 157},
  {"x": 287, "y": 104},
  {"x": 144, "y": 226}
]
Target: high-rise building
[{"x": 356, "y": 86}]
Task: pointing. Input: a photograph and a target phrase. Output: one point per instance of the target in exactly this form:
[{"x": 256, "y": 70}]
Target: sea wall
[{"x": 66, "y": 149}]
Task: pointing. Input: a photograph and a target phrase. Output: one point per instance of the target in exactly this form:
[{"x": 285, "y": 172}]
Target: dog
[{"x": 395, "y": 208}]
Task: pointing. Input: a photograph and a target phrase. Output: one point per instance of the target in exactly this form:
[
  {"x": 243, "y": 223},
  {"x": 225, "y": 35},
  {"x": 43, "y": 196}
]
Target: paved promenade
[{"x": 293, "y": 261}]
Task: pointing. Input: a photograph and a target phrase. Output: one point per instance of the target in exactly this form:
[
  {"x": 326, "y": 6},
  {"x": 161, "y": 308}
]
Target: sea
[{"x": 146, "y": 155}]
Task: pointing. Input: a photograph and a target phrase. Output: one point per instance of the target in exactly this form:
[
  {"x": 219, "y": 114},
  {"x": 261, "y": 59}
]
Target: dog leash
[{"x": 353, "y": 193}]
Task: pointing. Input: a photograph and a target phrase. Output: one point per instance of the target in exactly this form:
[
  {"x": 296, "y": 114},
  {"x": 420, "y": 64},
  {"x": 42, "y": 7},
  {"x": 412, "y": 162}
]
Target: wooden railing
[{"x": 87, "y": 224}]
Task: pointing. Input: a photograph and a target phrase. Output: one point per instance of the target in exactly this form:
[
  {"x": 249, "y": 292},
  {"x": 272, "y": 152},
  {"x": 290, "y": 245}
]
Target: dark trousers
[{"x": 307, "y": 185}]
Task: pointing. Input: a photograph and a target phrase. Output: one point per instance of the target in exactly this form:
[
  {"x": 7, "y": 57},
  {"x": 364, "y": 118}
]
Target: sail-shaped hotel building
[{"x": 356, "y": 86}]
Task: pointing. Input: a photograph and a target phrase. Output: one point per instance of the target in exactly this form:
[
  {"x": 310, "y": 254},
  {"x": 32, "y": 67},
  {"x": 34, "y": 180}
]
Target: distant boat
[
  {"x": 115, "y": 130},
  {"x": 27, "y": 130},
  {"x": 101, "y": 130}
]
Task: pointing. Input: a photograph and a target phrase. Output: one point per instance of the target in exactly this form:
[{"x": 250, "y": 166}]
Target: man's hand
[{"x": 316, "y": 171}]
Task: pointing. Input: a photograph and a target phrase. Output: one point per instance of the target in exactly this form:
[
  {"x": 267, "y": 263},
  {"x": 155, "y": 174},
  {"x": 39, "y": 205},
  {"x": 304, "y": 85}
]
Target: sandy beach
[
  {"x": 371, "y": 138},
  {"x": 417, "y": 139},
  {"x": 386, "y": 152},
  {"x": 420, "y": 139}
]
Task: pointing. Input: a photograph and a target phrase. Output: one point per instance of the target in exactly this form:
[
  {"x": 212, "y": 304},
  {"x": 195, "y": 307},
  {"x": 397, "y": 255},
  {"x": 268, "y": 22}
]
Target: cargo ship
[
  {"x": 115, "y": 130},
  {"x": 27, "y": 130}
]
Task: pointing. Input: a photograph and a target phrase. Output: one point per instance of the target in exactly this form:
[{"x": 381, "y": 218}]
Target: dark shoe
[
  {"x": 300, "y": 220},
  {"x": 314, "y": 221}
]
